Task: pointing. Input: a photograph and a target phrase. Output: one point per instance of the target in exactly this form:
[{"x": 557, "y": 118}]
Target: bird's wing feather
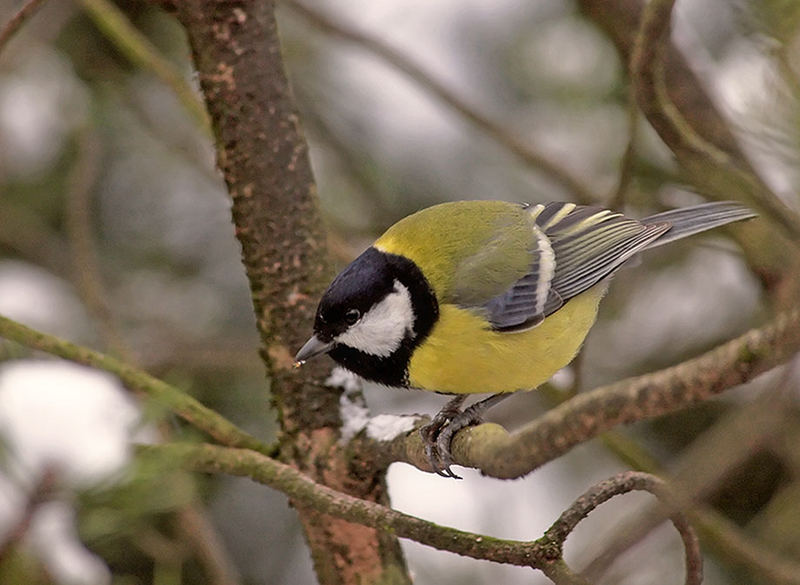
[
  {"x": 576, "y": 247},
  {"x": 501, "y": 259}
]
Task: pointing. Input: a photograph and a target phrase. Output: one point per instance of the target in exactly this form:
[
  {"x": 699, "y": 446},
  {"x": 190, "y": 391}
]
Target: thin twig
[
  {"x": 22, "y": 15},
  {"x": 624, "y": 483},
  {"x": 113, "y": 23},
  {"x": 617, "y": 199},
  {"x": 40, "y": 493},
  {"x": 524, "y": 152},
  {"x": 761, "y": 560},
  {"x": 647, "y": 75},
  {"x": 196, "y": 528},
  {"x": 32, "y": 238},
  {"x": 787, "y": 72},
  {"x": 82, "y": 245},
  {"x": 169, "y": 396},
  {"x": 197, "y": 531}
]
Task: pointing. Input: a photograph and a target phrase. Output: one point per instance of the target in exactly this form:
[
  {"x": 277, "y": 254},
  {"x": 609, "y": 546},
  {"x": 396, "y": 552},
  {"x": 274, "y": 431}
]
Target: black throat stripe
[{"x": 392, "y": 370}]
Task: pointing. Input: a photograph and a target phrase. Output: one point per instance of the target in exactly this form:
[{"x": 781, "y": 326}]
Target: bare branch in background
[
  {"x": 85, "y": 263},
  {"x": 502, "y": 136},
  {"x": 40, "y": 493},
  {"x": 698, "y": 155},
  {"x": 138, "y": 48},
  {"x": 22, "y": 15},
  {"x": 774, "y": 259},
  {"x": 193, "y": 524},
  {"x": 617, "y": 199},
  {"x": 33, "y": 239}
]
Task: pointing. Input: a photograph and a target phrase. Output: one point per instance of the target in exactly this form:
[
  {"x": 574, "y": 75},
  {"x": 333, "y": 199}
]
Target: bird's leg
[
  {"x": 431, "y": 432},
  {"x": 437, "y": 441},
  {"x": 472, "y": 415}
]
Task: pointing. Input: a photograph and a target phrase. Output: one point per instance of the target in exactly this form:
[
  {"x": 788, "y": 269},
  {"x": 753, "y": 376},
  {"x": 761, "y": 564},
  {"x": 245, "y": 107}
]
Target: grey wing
[
  {"x": 577, "y": 247},
  {"x": 523, "y": 305}
]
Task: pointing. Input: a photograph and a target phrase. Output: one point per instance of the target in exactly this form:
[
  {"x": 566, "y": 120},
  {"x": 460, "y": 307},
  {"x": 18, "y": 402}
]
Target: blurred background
[{"x": 115, "y": 233}]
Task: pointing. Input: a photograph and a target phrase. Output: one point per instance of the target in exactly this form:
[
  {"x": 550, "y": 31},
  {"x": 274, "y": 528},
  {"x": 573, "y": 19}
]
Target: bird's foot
[{"x": 438, "y": 435}]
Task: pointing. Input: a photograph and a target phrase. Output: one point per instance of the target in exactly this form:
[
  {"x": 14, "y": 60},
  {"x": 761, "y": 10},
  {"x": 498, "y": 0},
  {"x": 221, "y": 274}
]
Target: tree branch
[
  {"x": 525, "y": 153},
  {"x": 774, "y": 259},
  {"x": 162, "y": 393},
  {"x": 139, "y": 50},
  {"x": 85, "y": 263},
  {"x": 698, "y": 155},
  {"x": 497, "y": 453},
  {"x": 543, "y": 554},
  {"x": 264, "y": 159},
  {"x": 22, "y": 15},
  {"x": 623, "y": 483},
  {"x": 194, "y": 527},
  {"x": 753, "y": 426}
]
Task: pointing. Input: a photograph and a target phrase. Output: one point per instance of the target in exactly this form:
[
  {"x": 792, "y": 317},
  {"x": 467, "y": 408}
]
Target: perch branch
[{"x": 497, "y": 453}]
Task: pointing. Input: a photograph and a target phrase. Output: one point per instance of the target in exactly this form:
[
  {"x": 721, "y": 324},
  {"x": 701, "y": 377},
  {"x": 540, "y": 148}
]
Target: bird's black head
[{"x": 372, "y": 316}]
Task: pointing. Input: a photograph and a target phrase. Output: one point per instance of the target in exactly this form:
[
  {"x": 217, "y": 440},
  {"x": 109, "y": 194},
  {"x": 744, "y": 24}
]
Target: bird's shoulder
[{"x": 468, "y": 251}]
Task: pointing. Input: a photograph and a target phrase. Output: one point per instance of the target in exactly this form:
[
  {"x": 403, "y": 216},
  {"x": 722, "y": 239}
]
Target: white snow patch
[
  {"x": 72, "y": 421},
  {"x": 68, "y": 418},
  {"x": 385, "y": 427},
  {"x": 354, "y": 415},
  {"x": 344, "y": 379},
  {"x": 56, "y": 541}
]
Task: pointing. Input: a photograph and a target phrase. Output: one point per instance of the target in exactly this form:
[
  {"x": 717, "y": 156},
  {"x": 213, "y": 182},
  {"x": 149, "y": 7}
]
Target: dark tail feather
[{"x": 688, "y": 221}]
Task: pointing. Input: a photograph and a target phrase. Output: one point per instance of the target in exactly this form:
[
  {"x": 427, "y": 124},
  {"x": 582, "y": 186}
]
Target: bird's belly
[{"x": 462, "y": 356}]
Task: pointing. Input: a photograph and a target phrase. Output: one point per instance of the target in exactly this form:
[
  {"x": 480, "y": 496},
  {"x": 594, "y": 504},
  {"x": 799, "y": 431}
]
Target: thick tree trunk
[{"x": 264, "y": 158}]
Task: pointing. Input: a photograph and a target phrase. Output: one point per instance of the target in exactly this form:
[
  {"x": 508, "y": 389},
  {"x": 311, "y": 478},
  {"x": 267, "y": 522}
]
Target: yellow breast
[{"x": 462, "y": 356}]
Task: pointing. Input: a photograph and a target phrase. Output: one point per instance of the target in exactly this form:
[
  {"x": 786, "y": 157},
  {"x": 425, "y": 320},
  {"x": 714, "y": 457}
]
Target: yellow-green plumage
[
  {"x": 463, "y": 354},
  {"x": 484, "y": 297},
  {"x": 463, "y": 258}
]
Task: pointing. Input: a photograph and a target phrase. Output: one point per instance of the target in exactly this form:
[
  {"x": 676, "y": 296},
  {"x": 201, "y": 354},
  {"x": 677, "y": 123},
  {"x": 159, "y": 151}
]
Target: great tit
[{"x": 475, "y": 297}]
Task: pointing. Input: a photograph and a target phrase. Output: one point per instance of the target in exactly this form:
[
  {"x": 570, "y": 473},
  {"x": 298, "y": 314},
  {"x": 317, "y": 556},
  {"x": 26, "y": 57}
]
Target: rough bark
[{"x": 264, "y": 159}]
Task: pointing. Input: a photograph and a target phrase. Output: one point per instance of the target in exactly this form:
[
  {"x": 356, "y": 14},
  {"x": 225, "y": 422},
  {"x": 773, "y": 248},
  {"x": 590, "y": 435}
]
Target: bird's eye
[{"x": 352, "y": 316}]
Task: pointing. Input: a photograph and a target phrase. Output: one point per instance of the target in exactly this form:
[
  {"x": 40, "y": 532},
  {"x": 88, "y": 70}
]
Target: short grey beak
[{"x": 311, "y": 348}]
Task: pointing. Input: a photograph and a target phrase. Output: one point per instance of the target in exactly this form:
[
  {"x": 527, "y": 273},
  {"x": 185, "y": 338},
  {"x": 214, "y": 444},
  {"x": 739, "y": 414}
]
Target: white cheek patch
[{"x": 381, "y": 329}]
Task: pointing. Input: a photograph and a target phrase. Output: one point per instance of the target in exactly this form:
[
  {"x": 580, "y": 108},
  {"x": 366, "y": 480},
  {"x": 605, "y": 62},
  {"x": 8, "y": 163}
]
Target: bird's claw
[{"x": 437, "y": 437}]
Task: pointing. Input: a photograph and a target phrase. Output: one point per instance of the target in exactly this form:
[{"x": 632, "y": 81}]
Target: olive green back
[{"x": 470, "y": 251}]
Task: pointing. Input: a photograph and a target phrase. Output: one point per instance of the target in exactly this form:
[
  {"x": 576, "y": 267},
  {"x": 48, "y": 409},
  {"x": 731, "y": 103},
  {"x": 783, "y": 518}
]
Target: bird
[{"x": 484, "y": 296}]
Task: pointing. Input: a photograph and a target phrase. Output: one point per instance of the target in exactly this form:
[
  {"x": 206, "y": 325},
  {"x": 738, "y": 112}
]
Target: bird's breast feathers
[{"x": 462, "y": 355}]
